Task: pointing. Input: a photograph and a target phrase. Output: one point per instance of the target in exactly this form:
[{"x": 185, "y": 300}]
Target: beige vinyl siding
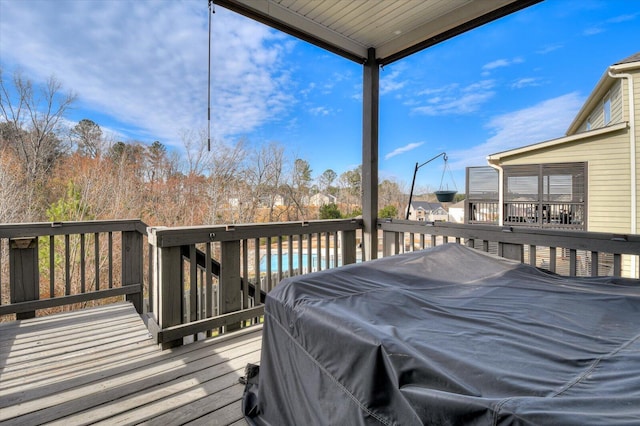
[
  {"x": 636, "y": 97},
  {"x": 596, "y": 117},
  {"x": 608, "y": 175},
  {"x": 617, "y": 104}
]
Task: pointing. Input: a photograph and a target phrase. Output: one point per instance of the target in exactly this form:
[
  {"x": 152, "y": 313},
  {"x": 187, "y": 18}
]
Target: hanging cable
[
  {"x": 211, "y": 12},
  {"x": 444, "y": 171}
]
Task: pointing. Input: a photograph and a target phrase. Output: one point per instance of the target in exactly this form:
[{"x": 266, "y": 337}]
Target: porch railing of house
[
  {"x": 57, "y": 264},
  {"x": 556, "y": 215},
  {"x": 186, "y": 299},
  {"x": 567, "y": 252},
  {"x": 212, "y": 279}
]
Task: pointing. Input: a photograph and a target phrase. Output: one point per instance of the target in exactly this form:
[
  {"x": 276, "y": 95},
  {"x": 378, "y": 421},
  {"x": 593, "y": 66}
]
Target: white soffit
[{"x": 394, "y": 28}]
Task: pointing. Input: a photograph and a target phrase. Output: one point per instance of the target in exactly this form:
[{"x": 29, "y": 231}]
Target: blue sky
[{"x": 139, "y": 69}]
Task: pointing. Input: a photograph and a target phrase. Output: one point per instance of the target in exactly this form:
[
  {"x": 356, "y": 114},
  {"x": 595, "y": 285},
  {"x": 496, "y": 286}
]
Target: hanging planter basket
[{"x": 445, "y": 196}]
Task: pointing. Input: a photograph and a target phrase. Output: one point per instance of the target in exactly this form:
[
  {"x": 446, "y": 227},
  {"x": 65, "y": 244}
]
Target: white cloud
[
  {"x": 526, "y": 82},
  {"x": 544, "y": 121},
  {"x": 622, "y": 18},
  {"x": 549, "y": 48},
  {"x": 453, "y": 99},
  {"x": 145, "y": 63},
  {"x": 320, "y": 111},
  {"x": 500, "y": 63},
  {"x": 593, "y": 31},
  {"x": 391, "y": 82},
  {"x": 403, "y": 149}
]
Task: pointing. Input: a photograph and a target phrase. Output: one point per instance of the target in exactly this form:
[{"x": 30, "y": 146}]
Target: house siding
[
  {"x": 608, "y": 205},
  {"x": 596, "y": 117}
]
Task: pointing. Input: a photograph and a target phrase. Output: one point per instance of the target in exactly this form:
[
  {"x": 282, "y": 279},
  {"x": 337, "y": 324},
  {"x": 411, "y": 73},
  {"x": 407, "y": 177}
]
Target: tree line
[{"x": 51, "y": 170}]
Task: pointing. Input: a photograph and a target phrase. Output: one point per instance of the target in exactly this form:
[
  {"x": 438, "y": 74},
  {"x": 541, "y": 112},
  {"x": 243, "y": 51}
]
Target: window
[{"x": 607, "y": 110}]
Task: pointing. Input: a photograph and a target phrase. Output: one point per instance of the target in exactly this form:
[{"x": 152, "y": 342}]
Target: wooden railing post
[
  {"x": 168, "y": 291},
  {"x": 132, "y": 266},
  {"x": 230, "y": 280},
  {"x": 348, "y": 247},
  {"x": 390, "y": 243},
  {"x": 24, "y": 278}
]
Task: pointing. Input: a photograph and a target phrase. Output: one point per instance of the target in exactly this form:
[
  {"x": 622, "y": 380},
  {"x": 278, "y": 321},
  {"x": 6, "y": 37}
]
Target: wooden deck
[{"x": 100, "y": 366}]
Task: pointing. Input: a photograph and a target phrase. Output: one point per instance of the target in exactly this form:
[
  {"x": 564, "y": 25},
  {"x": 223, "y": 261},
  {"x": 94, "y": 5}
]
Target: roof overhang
[
  {"x": 395, "y": 29},
  {"x": 500, "y": 156},
  {"x": 602, "y": 87}
]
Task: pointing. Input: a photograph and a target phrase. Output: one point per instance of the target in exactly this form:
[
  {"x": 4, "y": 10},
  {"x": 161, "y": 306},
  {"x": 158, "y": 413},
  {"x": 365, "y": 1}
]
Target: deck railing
[
  {"x": 187, "y": 299},
  {"x": 571, "y": 253},
  {"x": 55, "y": 264},
  {"x": 211, "y": 279}
]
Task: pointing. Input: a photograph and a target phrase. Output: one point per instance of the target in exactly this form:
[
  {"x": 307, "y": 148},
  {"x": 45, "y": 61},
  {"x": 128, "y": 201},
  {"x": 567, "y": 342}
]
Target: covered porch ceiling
[{"x": 394, "y": 28}]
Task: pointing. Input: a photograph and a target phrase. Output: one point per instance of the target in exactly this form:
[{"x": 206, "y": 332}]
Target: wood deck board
[{"x": 119, "y": 377}]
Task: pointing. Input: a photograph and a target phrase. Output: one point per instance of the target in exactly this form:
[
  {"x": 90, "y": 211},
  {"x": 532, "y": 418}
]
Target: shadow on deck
[{"x": 100, "y": 366}]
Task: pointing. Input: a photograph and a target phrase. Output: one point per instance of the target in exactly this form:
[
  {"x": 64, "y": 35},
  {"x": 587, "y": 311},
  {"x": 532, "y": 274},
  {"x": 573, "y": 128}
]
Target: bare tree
[
  {"x": 266, "y": 176},
  {"x": 13, "y": 205},
  {"x": 298, "y": 189},
  {"x": 36, "y": 121},
  {"x": 227, "y": 190},
  {"x": 198, "y": 157},
  {"x": 87, "y": 136}
]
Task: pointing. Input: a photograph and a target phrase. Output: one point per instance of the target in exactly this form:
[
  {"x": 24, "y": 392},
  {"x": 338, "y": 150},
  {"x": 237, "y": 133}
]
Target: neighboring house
[
  {"x": 429, "y": 212},
  {"x": 318, "y": 199},
  {"x": 456, "y": 212},
  {"x": 586, "y": 180},
  {"x": 272, "y": 200}
]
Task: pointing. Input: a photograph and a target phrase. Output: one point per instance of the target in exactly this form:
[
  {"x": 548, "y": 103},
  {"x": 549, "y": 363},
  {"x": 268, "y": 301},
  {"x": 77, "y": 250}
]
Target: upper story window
[
  {"x": 588, "y": 126},
  {"x": 607, "y": 110}
]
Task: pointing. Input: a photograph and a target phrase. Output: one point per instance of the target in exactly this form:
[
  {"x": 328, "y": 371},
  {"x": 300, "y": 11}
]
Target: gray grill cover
[{"x": 448, "y": 336}]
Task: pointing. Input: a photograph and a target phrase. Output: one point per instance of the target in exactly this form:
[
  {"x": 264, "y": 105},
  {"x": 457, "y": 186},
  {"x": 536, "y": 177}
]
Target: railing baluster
[
  {"x": 327, "y": 250},
  {"x": 300, "y": 252},
  {"x": 83, "y": 283},
  {"x": 96, "y": 258},
  {"x": 208, "y": 280},
  {"x": 532, "y": 255},
  {"x": 335, "y": 250},
  {"x": 1, "y": 256},
  {"x": 572, "y": 262},
  {"x": 319, "y": 251},
  {"x": 245, "y": 274},
  {"x": 290, "y": 255},
  {"x": 309, "y": 252},
  {"x": 268, "y": 286},
  {"x": 193, "y": 284},
  {"x": 617, "y": 264},
  {"x": 594, "y": 263},
  {"x": 52, "y": 266},
  {"x": 257, "y": 273},
  {"x": 279, "y": 259},
  {"x": 67, "y": 266},
  {"x": 110, "y": 259}
]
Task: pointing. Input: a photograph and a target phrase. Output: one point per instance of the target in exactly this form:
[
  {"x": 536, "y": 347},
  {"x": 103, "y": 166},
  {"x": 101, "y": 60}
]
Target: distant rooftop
[
  {"x": 425, "y": 205},
  {"x": 633, "y": 58}
]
